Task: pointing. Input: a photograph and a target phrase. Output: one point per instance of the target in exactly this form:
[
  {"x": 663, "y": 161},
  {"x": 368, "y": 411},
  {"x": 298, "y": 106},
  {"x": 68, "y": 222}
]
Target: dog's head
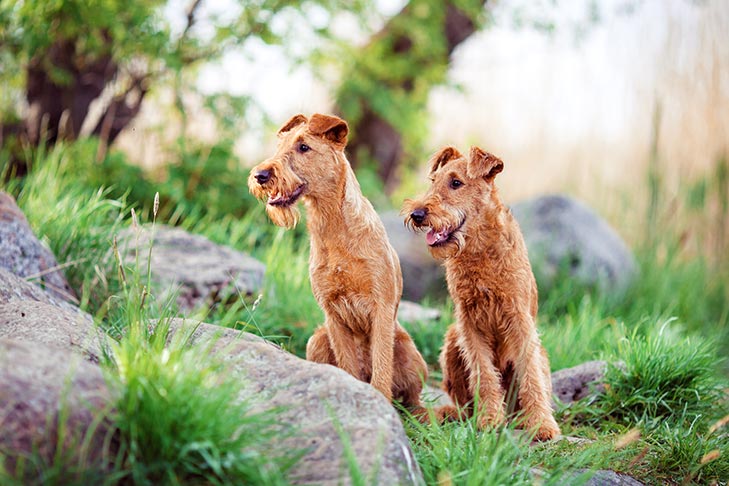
[
  {"x": 308, "y": 163},
  {"x": 462, "y": 192}
]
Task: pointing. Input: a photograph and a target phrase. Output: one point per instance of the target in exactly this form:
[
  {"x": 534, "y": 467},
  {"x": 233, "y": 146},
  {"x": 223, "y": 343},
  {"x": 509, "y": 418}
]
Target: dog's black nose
[
  {"x": 418, "y": 215},
  {"x": 263, "y": 176}
]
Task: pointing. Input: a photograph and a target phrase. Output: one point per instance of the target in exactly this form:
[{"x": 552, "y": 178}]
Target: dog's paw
[
  {"x": 543, "y": 429},
  {"x": 450, "y": 413},
  {"x": 493, "y": 417}
]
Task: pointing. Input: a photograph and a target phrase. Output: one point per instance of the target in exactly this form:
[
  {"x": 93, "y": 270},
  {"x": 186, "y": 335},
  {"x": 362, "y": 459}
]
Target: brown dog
[
  {"x": 355, "y": 273},
  {"x": 493, "y": 348}
]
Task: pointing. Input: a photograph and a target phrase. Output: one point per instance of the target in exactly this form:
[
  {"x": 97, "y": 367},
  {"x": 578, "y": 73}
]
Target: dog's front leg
[
  {"x": 344, "y": 346},
  {"x": 535, "y": 386},
  {"x": 382, "y": 341},
  {"x": 484, "y": 378}
]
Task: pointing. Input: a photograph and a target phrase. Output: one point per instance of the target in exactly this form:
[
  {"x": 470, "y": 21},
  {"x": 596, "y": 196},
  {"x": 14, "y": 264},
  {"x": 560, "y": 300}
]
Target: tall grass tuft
[
  {"x": 181, "y": 418},
  {"x": 77, "y": 224},
  {"x": 664, "y": 378},
  {"x": 457, "y": 453},
  {"x": 179, "y": 410}
]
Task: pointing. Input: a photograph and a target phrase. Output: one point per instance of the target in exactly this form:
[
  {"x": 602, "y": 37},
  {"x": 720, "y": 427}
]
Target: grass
[
  {"x": 182, "y": 419},
  {"x": 457, "y": 453},
  {"x": 657, "y": 419}
]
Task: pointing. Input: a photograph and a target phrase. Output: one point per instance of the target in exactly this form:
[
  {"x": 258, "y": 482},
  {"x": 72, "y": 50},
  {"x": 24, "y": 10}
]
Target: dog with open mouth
[
  {"x": 355, "y": 272},
  {"x": 492, "y": 352}
]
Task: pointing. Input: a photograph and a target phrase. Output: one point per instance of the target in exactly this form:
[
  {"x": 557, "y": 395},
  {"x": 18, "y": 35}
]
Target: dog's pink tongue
[{"x": 434, "y": 237}]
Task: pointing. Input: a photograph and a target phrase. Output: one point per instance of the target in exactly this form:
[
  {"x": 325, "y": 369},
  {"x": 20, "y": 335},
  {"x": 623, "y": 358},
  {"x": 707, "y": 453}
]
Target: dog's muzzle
[
  {"x": 418, "y": 216},
  {"x": 263, "y": 176}
]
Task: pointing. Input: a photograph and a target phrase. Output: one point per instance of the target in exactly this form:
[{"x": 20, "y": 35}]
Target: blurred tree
[
  {"x": 385, "y": 87},
  {"x": 60, "y": 58}
]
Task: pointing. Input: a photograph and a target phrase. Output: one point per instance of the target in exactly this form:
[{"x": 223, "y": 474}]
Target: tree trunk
[
  {"x": 374, "y": 137},
  {"x": 58, "y": 107}
]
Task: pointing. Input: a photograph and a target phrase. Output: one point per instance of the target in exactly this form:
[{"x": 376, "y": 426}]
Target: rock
[
  {"x": 421, "y": 275},
  {"x": 575, "y": 440},
  {"x": 568, "y": 385},
  {"x": 412, "y": 312},
  {"x": 606, "y": 477},
  {"x": 572, "y": 384},
  {"x": 202, "y": 272},
  {"x": 435, "y": 397},
  {"x": 41, "y": 385},
  {"x": 312, "y": 397},
  {"x": 40, "y": 322},
  {"x": 22, "y": 254},
  {"x": 14, "y": 288},
  {"x": 565, "y": 238}
]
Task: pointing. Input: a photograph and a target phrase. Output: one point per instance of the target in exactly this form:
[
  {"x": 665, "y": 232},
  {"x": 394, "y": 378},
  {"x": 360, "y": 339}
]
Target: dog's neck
[
  {"x": 489, "y": 240},
  {"x": 338, "y": 212}
]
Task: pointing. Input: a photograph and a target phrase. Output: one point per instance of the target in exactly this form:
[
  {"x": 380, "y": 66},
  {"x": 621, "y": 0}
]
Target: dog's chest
[{"x": 344, "y": 290}]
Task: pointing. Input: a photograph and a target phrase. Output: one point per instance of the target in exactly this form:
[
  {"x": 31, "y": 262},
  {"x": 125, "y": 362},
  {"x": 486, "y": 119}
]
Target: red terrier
[
  {"x": 355, "y": 273},
  {"x": 493, "y": 348}
]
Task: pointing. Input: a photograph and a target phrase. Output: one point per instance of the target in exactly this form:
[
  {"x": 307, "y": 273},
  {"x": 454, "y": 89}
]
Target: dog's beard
[
  {"x": 256, "y": 189},
  {"x": 440, "y": 218},
  {"x": 286, "y": 217}
]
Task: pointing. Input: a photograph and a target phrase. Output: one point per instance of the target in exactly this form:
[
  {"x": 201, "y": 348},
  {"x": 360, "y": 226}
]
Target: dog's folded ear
[
  {"x": 294, "y": 122},
  {"x": 332, "y": 128},
  {"x": 443, "y": 156},
  {"x": 483, "y": 164}
]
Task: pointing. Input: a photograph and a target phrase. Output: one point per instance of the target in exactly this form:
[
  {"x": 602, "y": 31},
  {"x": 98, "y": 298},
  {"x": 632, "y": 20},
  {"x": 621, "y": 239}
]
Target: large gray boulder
[
  {"x": 52, "y": 400},
  {"x": 200, "y": 271},
  {"x": 40, "y": 322},
  {"x": 566, "y": 239},
  {"x": 312, "y": 397},
  {"x": 22, "y": 254},
  {"x": 14, "y": 288}
]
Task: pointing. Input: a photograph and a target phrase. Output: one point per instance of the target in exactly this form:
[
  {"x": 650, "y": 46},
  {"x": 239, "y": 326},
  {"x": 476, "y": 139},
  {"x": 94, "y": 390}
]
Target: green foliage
[
  {"x": 77, "y": 223},
  {"x": 683, "y": 452},
  {"x": 457, "y": 453},
  {"x": 428, "y": 336},
  {"x": 394, "y": 73},
  {"x": 663, "y": 378},
  {"x": 288, "y": 312},
  {"x": 96, "y": 27},
  {"x": 181, "y": 418},
  {"x": 564, "y": 334},
  {"x": 209, "y": 178}
]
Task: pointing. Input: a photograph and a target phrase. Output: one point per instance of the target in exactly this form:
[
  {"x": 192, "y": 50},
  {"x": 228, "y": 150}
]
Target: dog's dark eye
[
  {"x": 303, "y": 148},
  {"x": 455, "y": 183}
]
